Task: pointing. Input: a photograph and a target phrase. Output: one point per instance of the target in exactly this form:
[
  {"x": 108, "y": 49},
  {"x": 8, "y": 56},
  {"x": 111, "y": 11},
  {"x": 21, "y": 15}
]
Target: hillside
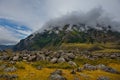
[{"x": 53, "y": 38}]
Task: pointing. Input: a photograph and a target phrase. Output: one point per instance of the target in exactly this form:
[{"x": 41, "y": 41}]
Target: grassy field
[{"x": 28, "y": 71}]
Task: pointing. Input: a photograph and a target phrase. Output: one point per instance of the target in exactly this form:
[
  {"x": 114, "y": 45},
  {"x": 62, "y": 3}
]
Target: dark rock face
[{"x": 57, "y": 75}]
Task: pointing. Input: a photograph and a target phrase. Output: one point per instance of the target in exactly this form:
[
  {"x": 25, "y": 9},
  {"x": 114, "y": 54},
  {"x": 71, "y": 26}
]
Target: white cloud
[{"x": 7, "y": 37}]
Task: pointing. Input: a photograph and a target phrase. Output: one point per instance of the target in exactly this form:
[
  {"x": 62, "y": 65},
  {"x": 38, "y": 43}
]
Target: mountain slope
[{"x": 80, "y": 33}]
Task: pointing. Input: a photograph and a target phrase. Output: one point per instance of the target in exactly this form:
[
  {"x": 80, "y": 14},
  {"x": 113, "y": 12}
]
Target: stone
[
  {"x": 39, "y": 67},
  {"x": 57, "y": 75},
  {"x": 71, "y": 55},
  {"x": 89, "y": 67},
  {"x": 10, "y": 69},
  {"x": 57, "y": 72},
  {"x": 32, "y": 58},
  {"x": 73, "y": 71},
  {"x": 103, "y": 78},
  {"x": 72, "y": 63},
  {"x": 61, "y": 60},
  {"x": 113, "y": 56},
  {"x": 79, "y": 69},
  {"x": 54, "y": 60},
  {"x": 15, "y": 58}
]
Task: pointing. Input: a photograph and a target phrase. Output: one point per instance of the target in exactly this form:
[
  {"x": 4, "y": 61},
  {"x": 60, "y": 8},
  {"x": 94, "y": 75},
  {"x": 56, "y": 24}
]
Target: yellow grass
[
  {"x": 108, "y": 51},
  {"x": 31, "y": 73}
]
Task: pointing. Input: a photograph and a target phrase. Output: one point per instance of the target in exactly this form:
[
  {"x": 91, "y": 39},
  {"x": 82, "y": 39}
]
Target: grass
[
  {"x": 47, "y": 64},
  {"x": 108, "y": 51},
  {"x": 31, "y": 73},
  {"x": 81, "y": 61}
]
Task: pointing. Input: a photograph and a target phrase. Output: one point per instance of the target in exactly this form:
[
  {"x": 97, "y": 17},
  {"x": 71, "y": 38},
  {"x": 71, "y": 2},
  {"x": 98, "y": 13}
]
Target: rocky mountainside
[{"x": 79, "y": 33}]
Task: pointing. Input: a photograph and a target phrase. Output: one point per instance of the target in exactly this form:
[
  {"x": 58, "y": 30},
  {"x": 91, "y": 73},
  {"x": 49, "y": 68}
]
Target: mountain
[
  {"x": 79, "y": 33},
  {"x": 3, "y": 47}
]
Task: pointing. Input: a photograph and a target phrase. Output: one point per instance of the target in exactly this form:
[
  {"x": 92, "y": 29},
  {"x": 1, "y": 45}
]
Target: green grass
[
  {"x": 47, "y": 64},
  {"x": 106, "y": 61}
]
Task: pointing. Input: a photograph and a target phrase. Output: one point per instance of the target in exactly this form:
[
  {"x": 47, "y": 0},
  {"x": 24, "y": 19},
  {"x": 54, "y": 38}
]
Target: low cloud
[{"x": 91, "y": 18}]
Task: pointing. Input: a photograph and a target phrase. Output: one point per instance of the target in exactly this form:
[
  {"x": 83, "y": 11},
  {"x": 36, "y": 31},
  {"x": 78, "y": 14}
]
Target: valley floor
[{"x": 31, "y": 73}]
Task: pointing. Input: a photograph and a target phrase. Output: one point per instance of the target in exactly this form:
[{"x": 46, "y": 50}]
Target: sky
[{"x": 20, "y": 18}]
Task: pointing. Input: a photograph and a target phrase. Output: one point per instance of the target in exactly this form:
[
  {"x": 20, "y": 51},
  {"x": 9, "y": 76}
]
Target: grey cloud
[{"x": 93, "y": 17}]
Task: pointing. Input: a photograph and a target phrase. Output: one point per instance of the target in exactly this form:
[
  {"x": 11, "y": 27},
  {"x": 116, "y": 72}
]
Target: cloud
[
  {"x": 91, "y": 18},
  {"x": 7, "y": 37}
]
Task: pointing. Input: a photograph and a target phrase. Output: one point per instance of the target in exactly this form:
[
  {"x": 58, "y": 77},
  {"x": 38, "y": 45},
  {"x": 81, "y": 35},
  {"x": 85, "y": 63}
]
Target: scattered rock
[
  {"x": 15, "y": 58},
  {"x": 72, "y": 63},
  {"x": 57, "y": 75},
  {"x": 10, "y": 69},
  {"x": 89, "y": 67},
  {"x": 39, "y": 67},
  {"x": 103, "y": 78},
  {"x": 54, "y": 60},
  {"x": 79, "y": 69},
  {"x": 73, "y": 71},
  {"x": 61, "y": 60}
]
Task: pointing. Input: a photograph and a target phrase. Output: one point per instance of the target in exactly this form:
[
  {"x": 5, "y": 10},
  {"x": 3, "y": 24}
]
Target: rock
[
  {"x": 72, "y": 63},
  {"x": 47, "y": 58},
  {"x": 113, "y": 56},
  {"x": 40, "y": 57},
  {"x": 57, "y": 72},
  {"x": 66, "y": 58},
  {"x": 76, "y": 78},
  {"x": 12, "y": 62},
  {"x": 89, "y": 67},
  {"x": 56, "y": 75},
  {"x": 61, "y": 60},
  {"x": 32, "y": 58},
  {"x": 79, "y": 69},
  {"x": 10, "y": 69},
  {"x": 73, "y": 72},
  {"x": 39, "y": 67},
  {"x": 85, "y": 76},
  {"x": 54, "y": 60},
  {"x": 103, "y": 78},
  {"x": 107, "y": 69},
  {"x": 111, "y": 70},
  {"x": 25, "y": 58},
  {"x": 71, "y": 55},
  {"x": 8, "y": 76},
  {"x": 100, "y": 66},
  {"x": 15, "y": 58}
]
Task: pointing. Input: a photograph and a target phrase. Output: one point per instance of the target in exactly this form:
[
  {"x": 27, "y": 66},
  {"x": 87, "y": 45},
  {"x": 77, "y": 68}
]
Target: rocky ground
[{"x": 59, "y": 65}]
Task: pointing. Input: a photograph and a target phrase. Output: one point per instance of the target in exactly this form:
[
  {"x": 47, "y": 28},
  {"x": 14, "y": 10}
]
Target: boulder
[
  {"x": 71, "y": 55},
  {"x": 10, "y": 69},
  {"x": 89, "y": 67},
  {"x": 73, "y": 71},
  {"x": 16, "y": 58},
  {"x": 79, "y": 69},
  {"x": 72, "y": 63},
  {"x": 32, "y": 58},
  {"x": 61, "y": 60},
  {"x": 54, "y": 60},
  {"x": 56, "y": 75},
  {"x": 103, "y": 78}
]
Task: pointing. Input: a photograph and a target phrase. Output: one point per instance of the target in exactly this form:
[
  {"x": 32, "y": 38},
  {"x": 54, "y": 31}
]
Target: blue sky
[{"x": 20, "y": 18}]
